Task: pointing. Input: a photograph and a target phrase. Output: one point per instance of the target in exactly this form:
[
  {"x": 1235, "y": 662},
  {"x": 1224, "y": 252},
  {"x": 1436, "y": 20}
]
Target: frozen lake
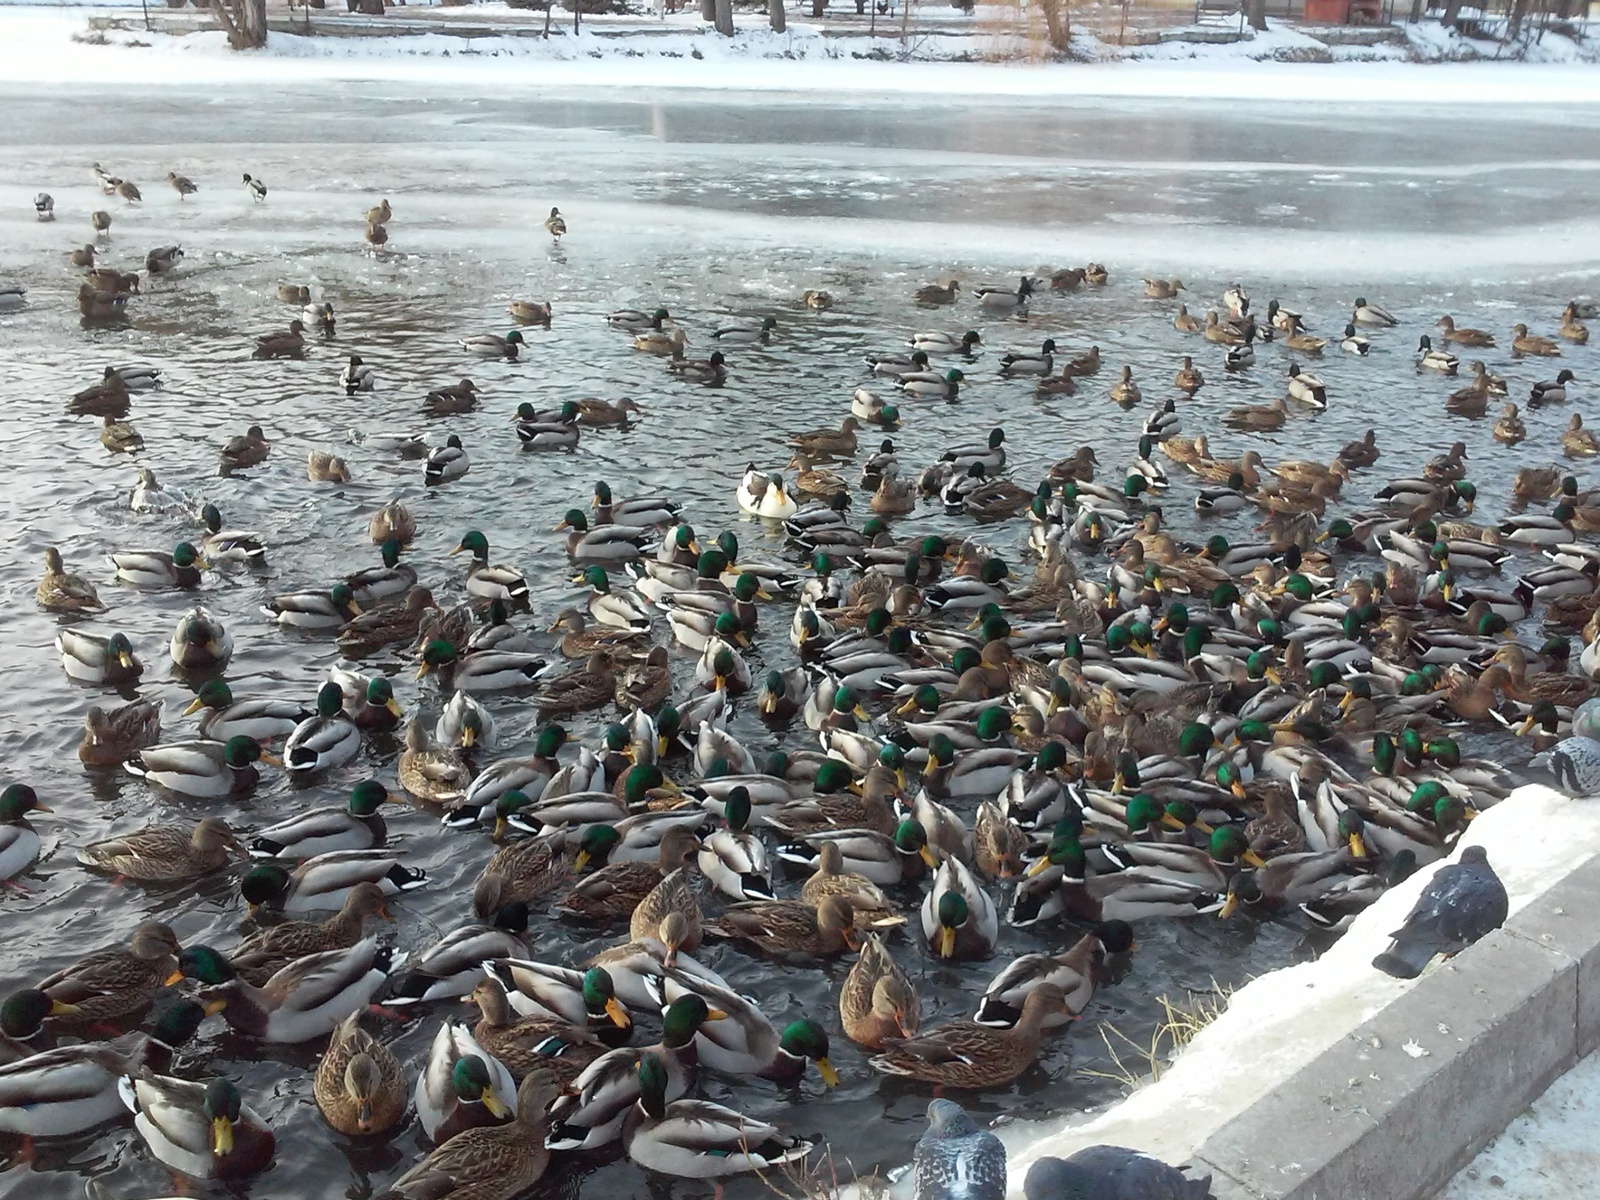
[{"x": 720, "y": 206}]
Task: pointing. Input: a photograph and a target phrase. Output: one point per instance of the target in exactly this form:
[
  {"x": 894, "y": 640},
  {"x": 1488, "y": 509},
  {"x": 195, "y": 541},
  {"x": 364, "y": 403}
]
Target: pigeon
[
  {"x": 1111, "y": 1173},
  {"x": 955, "y": 1160},
  {"x": 1575, "y": 763},
  {"x": 1462, "y": 902}
]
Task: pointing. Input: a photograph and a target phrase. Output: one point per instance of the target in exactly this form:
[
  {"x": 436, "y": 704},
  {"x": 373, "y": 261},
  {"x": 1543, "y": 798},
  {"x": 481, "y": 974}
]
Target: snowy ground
[
  {"x": 46, "y": 45},
  {"x": 1548, "y": 1153}
]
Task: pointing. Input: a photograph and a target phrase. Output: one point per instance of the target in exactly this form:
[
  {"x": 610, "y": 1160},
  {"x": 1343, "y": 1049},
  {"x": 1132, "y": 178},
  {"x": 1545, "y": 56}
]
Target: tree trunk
[
  {"x": 1256, "y": 12},
  {"x": 245, "y": 22},
  {"x": 775, "y": 15},
  {"x": 1418, "y": 7},
  {"x": 1519, "y": 10},
  {"x": 708, "y": 10},
  {"x": 724, "y": 14},
  {"x": 1452, "y": 12},
  {"x": 818, "y": 9},
  {"x": 1056, "y": 23}
]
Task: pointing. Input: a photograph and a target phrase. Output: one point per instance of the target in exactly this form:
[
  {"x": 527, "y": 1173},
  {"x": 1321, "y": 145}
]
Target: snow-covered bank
[
  {"x": 1280, "y": 1022},
  {"x": 46, "y": 45}
]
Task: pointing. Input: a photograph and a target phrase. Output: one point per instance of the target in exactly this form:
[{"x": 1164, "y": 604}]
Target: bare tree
[
  {"x": 775, "y": 15},
  {"x": 1452, "y": 13},
  {"x": 1519, "y": 10},
  {"x": 1256, "y": 14},
  {"x": 244, "y": 20},
  {"x": 724, "y": 16},
  {"x": 708, "y": 10},
  {"x": 1057, "y": 24}
]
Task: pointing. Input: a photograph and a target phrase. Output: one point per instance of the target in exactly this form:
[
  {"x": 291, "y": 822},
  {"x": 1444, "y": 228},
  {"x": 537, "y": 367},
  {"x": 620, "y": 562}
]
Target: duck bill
[
  {"x": 1527, "y": 724},
  {"x": 1037, "y": 867},
  {"x": 392, "y": 707},
  {"x": 926, "y": 855},
  {"x": 173, "y": 980},
  {"x": 580, "y": 861},
  {"x": 494, "y": 1105},
  {"x": 931, "y": 767},
  {"x": 271, "y": 759},
  {"x": 830, "y": 1077},
  {"x": 1237, "y": 789},
  {"x": 60, "y": 1008},
  {"x": 499, "y": 828},
  {"x": 1229, "y": 906},
  {"x": 126, "y": 660},
  {"x": 221, "y": 1136},
  {"x": 213, "y": 1006},
  {"x": 860, "y": 713},
  {"x": 1253, "y": 859},
  {"x": 618, "y": 1014},
  {"x": 947, "y": 942},
  {"x": 192, "y": 707},
  {"x": 1358, "y": 846}
]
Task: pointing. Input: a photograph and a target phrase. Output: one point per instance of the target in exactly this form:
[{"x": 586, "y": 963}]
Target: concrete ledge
[{"x": 1397, "y": 1107}]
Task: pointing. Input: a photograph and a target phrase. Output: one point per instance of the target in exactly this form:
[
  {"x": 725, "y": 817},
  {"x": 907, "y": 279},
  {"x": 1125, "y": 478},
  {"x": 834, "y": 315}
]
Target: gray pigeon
[
  {"x": 1575, "y": 762},
  {"x": 955, "y": 1160},
  {"x": 1462, "y": 902},
  {"x": 1111, "y": 1173}
]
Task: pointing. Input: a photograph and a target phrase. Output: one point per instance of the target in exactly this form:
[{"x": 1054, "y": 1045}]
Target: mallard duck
[
  {"x": 226, "y": 717},
  {"x": 965, "y": 1054},
  {"x": 204, "y": 1130},
  {"x": 489, "y": 1163},
  {"x": 359, "y": 1086},
  {"x": 1523, "y": 342},
  {"x": 109, "y": 738},
  {"x": 935, "y": 293},
  {"x": 555, "y": 225},
  {"x": 356, "y": 826},
  {"x": 762, "y": 495},
  {"x": 461, "y": 1086},
  {"x": 202, "y": 768},
  {"x": 523, "y": 870},
  {"x": 162, "y": 853},
  {"x": 1353, "y": 342},
  {"x": 1125, "y": 391},
  {"x": 1163, "y": 289},
  {"x": 56, "y": 1091},
  {"x": 1077, "y": 972},
  {"x": 491, "y": 583},
  {"x": 733, "y": 858},
  {"x": 59, "y": 591},
  {"x": 493, "y": 345},
  {"x": 958, "y": 918},
  {"x": 634, "y": 319},
  {"x": 579, "y": 689},
  {"x": 325, "y": 881},
  {"x": 1307, "y": 388},
  {"x": 711, "y": 371},
  {"x": 1221, "y": 332},
  {"x": 877, "y": 1000},
  {"x": 602, "y": 414},
  {"x": 376, "y": 235},
  {"x": 119, "y": 980},
  {"x": 325, "y": 740},
  {"x": 1466, "y": 337},
  {"x": 322, "y": 467},
  {"x": 1299, "y": 339},
  {"x": 91, "y": 658},
  {"x": 1577, "y": 441},
  {"x": 1238, "y": 357},
  {"x": 747, "y": 335},
  {"x": 530, "y": 312},
  {"x": 586, "y": 999},
  {"x": 695, "y": 1139},
  {"x": 605, "y": 542},
  {"x": 19, "y": 841},
  {"x": 1260, "y": 417},
  {"x": 1371, "y": 314},
  {"x": 314, "y": 610},
  {"x": 1551, "y": 391},
  {"x": 200, "y": 642},
  {"x": 1509, "y": 428},
  {"x": 446, "y": 462},
  {"x": 1184, "y": 321},
  {"x": 527, "y": 1044},
  {"x": 1002, "y": 300},
  {"x": 1188, "y": 379},
  {"x": 1429, "y": 359},
  {"x": 482, "y": 670},
  {"x": 672, "y": 894},
  {"x": 661, "y": 341},
  {"x": 431, "y": 773},
  {"x": 119, "y": 436},
  {"x": 616, "y": 609},
  {"x": 463, "y": 725},
  {"x": 303, "y": 1001},
  {"x": 789, "y": 928},
  {"x": 158, "y": 569},
  {"x": 97, "y": 304},
  {"x": 258, "y": 957},
  {"x": 1024, "y": 363}
]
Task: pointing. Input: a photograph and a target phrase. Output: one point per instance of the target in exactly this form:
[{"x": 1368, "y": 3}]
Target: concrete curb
[{"x": 1411, "y": 1096}]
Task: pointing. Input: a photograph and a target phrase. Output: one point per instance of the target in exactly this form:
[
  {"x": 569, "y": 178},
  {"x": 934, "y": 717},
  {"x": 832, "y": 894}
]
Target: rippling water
[{"x": 718, "y": 208}]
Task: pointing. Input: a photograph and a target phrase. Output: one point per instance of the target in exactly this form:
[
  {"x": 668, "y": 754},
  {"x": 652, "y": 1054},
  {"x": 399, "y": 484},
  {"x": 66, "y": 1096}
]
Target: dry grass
[
  {"x": 1137, "y": 1063},
  {"x": 819, "y": 1180}
]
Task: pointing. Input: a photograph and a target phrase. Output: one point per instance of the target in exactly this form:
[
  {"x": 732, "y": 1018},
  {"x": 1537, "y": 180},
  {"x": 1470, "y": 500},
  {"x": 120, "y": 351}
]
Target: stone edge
[{"x": 1395, "y": 1109}]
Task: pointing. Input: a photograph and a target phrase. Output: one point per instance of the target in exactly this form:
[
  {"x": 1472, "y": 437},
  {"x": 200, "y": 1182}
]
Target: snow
[
  {"x": 1286, "y": 1018},
  {"x": 1547, "y": 1153},
  {"x": 37, "y": 45}
]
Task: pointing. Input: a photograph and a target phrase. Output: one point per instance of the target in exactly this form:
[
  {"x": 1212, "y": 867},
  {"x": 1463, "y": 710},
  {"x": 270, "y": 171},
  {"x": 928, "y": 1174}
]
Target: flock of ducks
[{"x": 1113, "y": 727}]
